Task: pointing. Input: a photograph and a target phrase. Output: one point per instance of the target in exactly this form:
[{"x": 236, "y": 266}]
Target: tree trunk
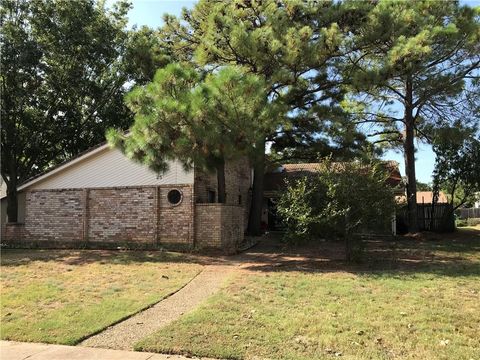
[
  {"x": 409, "y": 155},
  {"x": 221, "y": 182},
  {"x": 255, "y": 216},
  {"x": 12, "y": 202}
]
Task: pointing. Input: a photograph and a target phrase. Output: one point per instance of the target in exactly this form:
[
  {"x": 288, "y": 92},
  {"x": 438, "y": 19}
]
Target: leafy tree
[
  {"x": 197, "y": 121},
  {"x": 63, "y": 77},
  {"x": 292, "y": 46},
  {"x": 457, "y": 167},
  {"x": 423, "y": 186},
  {"x": 332, "y": 202},
  {"x": 419, "y": 59}
]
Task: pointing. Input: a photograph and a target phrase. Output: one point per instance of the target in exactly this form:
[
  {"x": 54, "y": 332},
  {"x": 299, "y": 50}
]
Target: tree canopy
[
  {"x": 457, "y": 165},
  {"x": 199, "y": 119},
  {"x": 414, "y": 67},
  {"x": 292, "y": 47},
  {"x": 62, "y": 83}
]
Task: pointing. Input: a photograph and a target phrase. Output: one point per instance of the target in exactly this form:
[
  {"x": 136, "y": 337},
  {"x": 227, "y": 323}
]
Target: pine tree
[
  {"x": 199, "y": 120},
  {"x": 292, "y": 46},
  {"x": 419, "y": 59}
]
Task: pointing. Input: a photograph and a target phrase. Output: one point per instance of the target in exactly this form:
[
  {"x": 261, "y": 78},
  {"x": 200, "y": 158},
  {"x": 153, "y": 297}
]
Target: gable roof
[
  {"x": 55, "y": 176},
  {"x": 276, "y": 180},
  {"x": 64, "y": 165}
]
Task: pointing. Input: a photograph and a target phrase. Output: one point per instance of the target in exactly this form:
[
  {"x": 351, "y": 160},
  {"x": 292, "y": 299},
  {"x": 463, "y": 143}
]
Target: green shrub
[
  {"x": 340, "y": 200},
  {"x": 473, "y": 222}
]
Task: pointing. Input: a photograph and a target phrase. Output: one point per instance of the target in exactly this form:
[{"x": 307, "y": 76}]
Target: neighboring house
[
  {"x": 423, "y": 197},
  {"x": 275, "y": 183},
  {"x": 103, "y": 199},
  {"x": 426, "y": 197}
]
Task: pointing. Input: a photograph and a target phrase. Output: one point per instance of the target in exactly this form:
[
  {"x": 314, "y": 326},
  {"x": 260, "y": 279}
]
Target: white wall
[
  {"x": 108, "y": 168},
  {"x": 21, "y": 198}
]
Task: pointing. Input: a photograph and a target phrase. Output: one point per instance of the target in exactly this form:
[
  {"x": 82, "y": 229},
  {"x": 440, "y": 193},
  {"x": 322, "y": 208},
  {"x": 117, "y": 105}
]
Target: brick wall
[
  {"x": 237, "y": 182},
  {"x": 122, "y": 215},
  {"x": 107, "y": 217},
  {"x": 175, "y": 222},
  {"x": 54, "y": 215},
  {"x": 237, "y": 185},
  {"x": 13, "y": 232},
  {"x": 219, "y": 226}
]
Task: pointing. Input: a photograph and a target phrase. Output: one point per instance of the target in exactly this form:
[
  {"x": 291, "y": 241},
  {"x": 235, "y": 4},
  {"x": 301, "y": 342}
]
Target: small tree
[
  {"x": 341, "y": 200},
  {"x": 300, "y": 208}
]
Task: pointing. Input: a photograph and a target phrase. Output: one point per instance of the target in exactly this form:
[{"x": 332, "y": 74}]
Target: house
[
  {"x": 423, "y": 197},
  {"x": 103, "y": 199},
  {"x": 275, "y": 183},
  {"x": 426, "y": 197}
]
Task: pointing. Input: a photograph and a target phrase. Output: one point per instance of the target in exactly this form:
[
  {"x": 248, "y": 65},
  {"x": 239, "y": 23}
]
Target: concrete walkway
[
  {"x": 126, "y": 334},
  {"x": 12, "y": 350}
]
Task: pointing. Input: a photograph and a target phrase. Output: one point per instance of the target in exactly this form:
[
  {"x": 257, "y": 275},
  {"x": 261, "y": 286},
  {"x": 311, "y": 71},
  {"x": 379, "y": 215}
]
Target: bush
[
  {"x": 340, "y": 200},
  {"x": 473, "y": 221}
]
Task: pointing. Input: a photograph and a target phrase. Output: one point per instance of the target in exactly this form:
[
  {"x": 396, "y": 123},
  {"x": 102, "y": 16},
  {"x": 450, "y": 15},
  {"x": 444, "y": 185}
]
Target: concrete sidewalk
[
  {"x": 124, "y": 335},
  {"x": 12, "y": 350}
]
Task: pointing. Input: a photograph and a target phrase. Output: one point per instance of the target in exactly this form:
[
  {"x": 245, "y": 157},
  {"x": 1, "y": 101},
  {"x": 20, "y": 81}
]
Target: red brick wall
[
  {"x": 175, "y": 222},
  {"x": 219, "y": 226},
  {"x": 140, "y": 215},
  {"x": 237, "y": 184},
  {"x": 13, "y": 232},
  {"x": 122, "y": 215},
  {"x": 54, "y": 215},
  {"x": 208, "y": 226}
]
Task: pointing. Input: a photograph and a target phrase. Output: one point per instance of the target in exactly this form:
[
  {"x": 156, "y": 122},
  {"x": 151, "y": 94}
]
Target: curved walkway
[{"x": 125, "y": 334}]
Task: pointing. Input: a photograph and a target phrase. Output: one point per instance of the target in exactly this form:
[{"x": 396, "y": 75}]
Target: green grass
[
  {"x": 64, "y": 296},
  {"x": 419, "y": 300}
]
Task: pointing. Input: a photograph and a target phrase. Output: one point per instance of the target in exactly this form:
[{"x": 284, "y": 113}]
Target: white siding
[{"x": 109, "y": 168}]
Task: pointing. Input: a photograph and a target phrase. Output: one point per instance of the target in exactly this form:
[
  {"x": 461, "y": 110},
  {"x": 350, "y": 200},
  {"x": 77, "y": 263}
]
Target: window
[
  {"x": 174, "y": 197},
  {"x": 211, "y": 196},
  {"x": 239, "y": 199}
]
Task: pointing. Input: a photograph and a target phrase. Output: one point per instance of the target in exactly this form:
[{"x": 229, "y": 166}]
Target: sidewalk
[
  {"x": 124, "y": 335},
  {"x": 12, "y": 350}
]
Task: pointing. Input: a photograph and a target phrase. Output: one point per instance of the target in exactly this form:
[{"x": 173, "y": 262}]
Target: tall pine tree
[
  {"x": 292, "y": 46},
  {"x": 414, "y": 66}
]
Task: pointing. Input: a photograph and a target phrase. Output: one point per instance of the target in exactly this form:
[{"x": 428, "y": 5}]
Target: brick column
[{"x": 85, "y": 218}]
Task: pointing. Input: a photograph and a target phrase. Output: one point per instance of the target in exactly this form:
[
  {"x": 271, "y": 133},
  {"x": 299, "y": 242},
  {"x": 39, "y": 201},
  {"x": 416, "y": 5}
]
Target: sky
[{"x": 150, "y": 12}]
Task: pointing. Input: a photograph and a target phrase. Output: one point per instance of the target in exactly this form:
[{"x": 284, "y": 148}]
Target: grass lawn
[
  {"x": 60, "y": 296},
  {"x": 417, "y": 299}
]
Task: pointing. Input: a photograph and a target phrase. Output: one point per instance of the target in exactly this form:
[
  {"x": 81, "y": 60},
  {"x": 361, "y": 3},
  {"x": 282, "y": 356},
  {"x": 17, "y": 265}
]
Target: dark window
[
  {"x": 174, "y": 196},
  {"x": 239, "y": 199},
  {"x": 211, "y": 196}
]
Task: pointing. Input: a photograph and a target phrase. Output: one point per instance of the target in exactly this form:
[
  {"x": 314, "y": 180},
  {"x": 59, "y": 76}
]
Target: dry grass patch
[
  {"x": 426, "y": 306},
  {"x": 64, "y": 296}
]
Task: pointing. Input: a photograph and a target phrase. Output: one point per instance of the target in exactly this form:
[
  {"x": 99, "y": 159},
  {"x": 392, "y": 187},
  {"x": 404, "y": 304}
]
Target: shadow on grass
[
  {"x": 454, "y": 254},
  {"x": 16, "y": 257}
]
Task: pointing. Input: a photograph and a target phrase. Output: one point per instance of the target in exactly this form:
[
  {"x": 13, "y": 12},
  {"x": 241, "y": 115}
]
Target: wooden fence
[
  {"x": 468, "y": 213},
  {"x": 443, "y": 218},
  {"x": 440, "y": 219}
]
